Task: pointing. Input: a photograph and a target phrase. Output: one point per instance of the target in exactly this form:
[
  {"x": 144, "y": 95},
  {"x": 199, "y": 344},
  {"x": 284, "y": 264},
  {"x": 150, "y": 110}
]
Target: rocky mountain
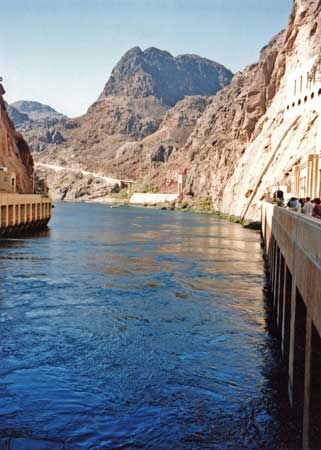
[
  {"x": 37, "y": 122},
  {"x": 220, "y": 129},
  {"x": 135, "y": 104},
  {"x": 18, "y": 118},
  {"x": 14, "y": 151},
  {"x": 157, "y": 73},
  {"x": 36, "y": 111}
]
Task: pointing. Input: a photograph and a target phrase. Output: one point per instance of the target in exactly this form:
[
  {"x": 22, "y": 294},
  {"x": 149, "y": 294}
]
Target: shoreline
[{"x": 182, "y": 207}]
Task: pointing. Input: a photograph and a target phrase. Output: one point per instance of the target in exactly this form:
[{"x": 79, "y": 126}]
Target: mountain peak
[
  {"x": 155, "y": 72},
  {"x": 36, "y": 110}
]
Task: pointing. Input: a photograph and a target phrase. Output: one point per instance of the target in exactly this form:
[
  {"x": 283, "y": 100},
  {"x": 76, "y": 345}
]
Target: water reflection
[{"x": 130, "y": 328}]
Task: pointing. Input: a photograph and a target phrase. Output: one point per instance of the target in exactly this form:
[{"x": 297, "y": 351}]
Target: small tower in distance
[{"x": 181, "y": 181}]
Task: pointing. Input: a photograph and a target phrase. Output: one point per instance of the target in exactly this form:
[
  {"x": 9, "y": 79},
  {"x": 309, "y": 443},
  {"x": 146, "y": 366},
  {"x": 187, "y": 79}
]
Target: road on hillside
[{"x": 57, "y": 168}]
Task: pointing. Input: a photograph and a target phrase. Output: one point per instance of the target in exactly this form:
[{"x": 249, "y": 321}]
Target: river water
[{"x": 136, "y": 328}]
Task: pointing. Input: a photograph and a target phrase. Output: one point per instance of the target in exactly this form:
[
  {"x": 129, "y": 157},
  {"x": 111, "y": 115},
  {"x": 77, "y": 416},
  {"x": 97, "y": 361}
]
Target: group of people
[{"x": 304, "y": 205}]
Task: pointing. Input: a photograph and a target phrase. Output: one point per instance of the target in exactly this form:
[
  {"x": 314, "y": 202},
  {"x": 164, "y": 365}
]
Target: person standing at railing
[
  {"x": 294, "y": 204},
  {"x": 317, "y": 208},
  {"x": 278, "y": 198},
  {"x": 307, "y": 207}
]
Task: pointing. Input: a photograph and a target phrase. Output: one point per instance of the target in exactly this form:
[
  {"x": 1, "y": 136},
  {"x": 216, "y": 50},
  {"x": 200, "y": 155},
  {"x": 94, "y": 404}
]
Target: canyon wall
[
  {"x": 246, "y": 142},
  {"x": 280, "y": 140},
  {"x": 14, "y": 151}
]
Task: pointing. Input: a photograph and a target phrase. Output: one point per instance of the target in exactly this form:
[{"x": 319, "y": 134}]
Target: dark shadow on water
[
  {"x": 25, "y": 235},
  {"x": 276, "y": 373}
]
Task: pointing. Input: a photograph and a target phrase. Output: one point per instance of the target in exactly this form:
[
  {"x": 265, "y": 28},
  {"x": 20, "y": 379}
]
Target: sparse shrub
[
  {"x": 204, "y": 204},
  {"x": 151, "y": 188},
  {"x": 122, "y": 194}
]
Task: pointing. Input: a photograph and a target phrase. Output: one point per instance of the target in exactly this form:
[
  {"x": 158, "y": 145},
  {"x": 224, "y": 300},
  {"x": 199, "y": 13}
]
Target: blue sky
[{"x": 61, "y": 52}]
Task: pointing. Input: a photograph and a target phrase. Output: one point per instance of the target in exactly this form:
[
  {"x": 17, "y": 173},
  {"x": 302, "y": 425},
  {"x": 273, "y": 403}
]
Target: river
[{"x": 138, "y": 328}]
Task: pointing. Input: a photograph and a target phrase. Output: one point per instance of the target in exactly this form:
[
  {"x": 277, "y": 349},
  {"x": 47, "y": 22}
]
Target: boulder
[
  {"x": 161, "y": 153},
  {"x": 57, "y": 137}
]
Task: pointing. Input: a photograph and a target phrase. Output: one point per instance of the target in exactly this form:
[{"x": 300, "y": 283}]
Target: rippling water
[{"x": 134, "y": 328}]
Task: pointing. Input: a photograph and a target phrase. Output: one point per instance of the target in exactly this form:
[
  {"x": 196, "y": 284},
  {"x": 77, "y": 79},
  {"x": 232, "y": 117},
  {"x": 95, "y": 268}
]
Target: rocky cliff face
[
  {"x": 244, "y": 143},
  {"x": 208, "y": 136},
  {"x": 223, "y": 133},
  {"x": 14, "y": 151}
]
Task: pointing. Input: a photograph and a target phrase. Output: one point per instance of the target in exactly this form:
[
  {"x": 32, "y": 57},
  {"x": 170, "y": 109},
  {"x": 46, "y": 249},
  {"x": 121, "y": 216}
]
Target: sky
[{"x": 61, "y": 52}]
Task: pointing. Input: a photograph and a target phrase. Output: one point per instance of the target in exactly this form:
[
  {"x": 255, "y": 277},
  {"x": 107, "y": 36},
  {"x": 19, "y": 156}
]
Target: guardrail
[{"x": 293, "y": 245}]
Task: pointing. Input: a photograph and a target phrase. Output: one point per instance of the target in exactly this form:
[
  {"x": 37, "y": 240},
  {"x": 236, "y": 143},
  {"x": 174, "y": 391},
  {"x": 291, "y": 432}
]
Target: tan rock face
[
  {"x": 223, "y": 132},
  {"x": 14, "y": 151}
]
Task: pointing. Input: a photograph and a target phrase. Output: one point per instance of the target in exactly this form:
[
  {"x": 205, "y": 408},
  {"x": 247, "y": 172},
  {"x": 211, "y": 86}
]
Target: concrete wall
[
  {"x": 22, "y": 212},
  {"x": 151, "y": 199},
  {"x": 293, "y": 245},
  {"x": 303, "y": 90},
  {"x": 307, "y": 177}
]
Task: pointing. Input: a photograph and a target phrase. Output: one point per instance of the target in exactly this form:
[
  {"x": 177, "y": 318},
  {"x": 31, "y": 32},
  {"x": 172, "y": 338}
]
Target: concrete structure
[
  {"x": 293, "y": 245},
  {"x": 151, "y": 199},
  {"x": 303, "y": 89},
  {"x": 19, "y": 213},
  {"x": 181, "y": 181},
  {"x": 306, "y": 180},
  {"x": 7, "y": 180},
  {"x": 303, "y": 96}
]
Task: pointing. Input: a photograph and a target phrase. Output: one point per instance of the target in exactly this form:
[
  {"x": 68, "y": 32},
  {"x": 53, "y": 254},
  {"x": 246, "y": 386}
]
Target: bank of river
[{"x": 139, "y": 328}]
